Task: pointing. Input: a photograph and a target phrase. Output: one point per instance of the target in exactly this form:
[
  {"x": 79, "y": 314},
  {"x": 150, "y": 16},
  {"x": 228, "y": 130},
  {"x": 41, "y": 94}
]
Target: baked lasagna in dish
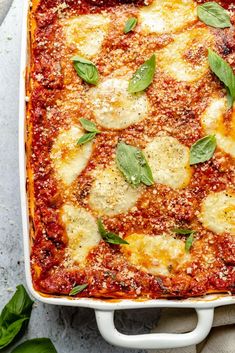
[{"x": 131, "y": 147}]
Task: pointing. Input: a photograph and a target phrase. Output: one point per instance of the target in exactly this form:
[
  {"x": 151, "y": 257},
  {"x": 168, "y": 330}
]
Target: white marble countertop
[{"x": 72, "y": 330}]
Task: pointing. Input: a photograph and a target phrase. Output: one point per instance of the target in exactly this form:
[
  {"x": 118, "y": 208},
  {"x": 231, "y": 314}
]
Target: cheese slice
[
  {"x": 169, "y": 161},
  {"x": 87, "y": 32},
  {"x": 114, "y": 107},
  {"x": 185, "y": 59},
  {"x": 218, "y": 212},
  {"x": 110, "y": 194},
  {"x": 68, "y": 158},
  {"x": 82, "y": 232},
  {"x": 167, "y": 16},
  {"x": 155, "y": 254},
  {"x": 212, "y": 122}
]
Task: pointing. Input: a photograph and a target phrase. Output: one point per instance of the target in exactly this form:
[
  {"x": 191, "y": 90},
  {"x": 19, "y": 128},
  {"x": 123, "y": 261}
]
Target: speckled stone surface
[{"x": 72, "y": 330}]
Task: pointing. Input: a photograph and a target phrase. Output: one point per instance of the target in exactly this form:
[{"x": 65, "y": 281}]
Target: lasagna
[{"x": 131, "y": 147}]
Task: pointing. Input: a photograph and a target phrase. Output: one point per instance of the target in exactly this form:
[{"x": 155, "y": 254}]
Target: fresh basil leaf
[
  {"x": 88, "y": 125},
  {"x": 86, "y": 70},
  {"x": 8, "y": 334},
  {"x": 86, "y": 138},
  {"x": 15, "y": 316},
  {"x": 133, "y": 164},
  {"x": 229, "y": 99},
  {"x": 223, "y": 71},
  {"x": 189, "y": 242},
  {"x": 109, "y": 237},
  {"x": 183, "y": 231},
  {"x": 130, "y": 24},
  {"x": 212, "y": 14},
  {"x": 78, "y": 289},
  {"x": 202, "y": 150},
  {"x": 143, "y": 77},
  {"x": 37, "y": 345}
]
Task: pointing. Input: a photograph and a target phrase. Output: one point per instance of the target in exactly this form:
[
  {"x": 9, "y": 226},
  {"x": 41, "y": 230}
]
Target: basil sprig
[
  {"x": 143, "y": 77},
  {"x": 203, "y": 149},
  {"x": 133, "y": 164},
  {"x": 78, "y": 289},
  {"x": 15, "y": 317},
  {"x": 130, "y": 25},
  {"x": 109, "y": 237},
  {"x": 223, "y": 71},
  {"x": 183, "y": 231},
  {"x": 189, "y": 242},
  {"x": 92, "y": 131},
  {"x": 86, "y": 70},
  {"x": 37, "y": 345},
  {"x": 212, "y": 14}
]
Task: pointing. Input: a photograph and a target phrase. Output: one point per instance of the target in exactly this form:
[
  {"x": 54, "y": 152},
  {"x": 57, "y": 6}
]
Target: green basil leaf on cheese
[
  {"x": 130, "y": 25},
  {"x": 223, "y": 71},
  {"x": 133, "y": 165},
  {"x": 86, "y": 138},
  {"x": 37, "y": 345},
  {"x": 189, "y": 242},
  {"x": 78, "y": 289},
  {"x": 183, "y": 231},
  {"x": 15, "y": 316},
  {"x": 88, "y": 125},
  {"x": 214, "y": 15},
  {"x": 86, "y": 70},
  {"x": 203, "y": 149},
  {"x": 109, "y": 237},
  {"x": 143, "y": 77}
]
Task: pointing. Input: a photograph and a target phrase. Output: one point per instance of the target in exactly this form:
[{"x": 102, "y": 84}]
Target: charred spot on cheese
[
  {"x": 213, "y": 123},
  {"x": 110, "y": 193},
  {"x": 68, "y": 158},
  {"x": 155, "y": 254},
  {"x": 218, "y": 212},
  {"x": 114, "y": 107},
  {"x": 87, "y": 32},
  {"x": 169, "y": 161},
  {"x": 164, "y": 16},
  {"x": 185, "y": 59},
  {"x": 82, "y": 232}
]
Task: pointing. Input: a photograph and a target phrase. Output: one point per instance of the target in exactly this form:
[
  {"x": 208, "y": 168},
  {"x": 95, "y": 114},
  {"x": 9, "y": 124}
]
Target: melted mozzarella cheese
[
  {"x": 212, "y": 121},
  {"x": 82, "y": 231},
  {"x": 87, "y": 33},
  {"x": 169, "y": 161},
  {"x": 114, "y": 107},
  {"x": 155, "y": 254},
  {"x": 110, "y": 194},
  {"x": 218, "y": 212},
  {"x": 164, "y": 16},
  {"x": 185, "y": 59},
  {"x": 67, "y": 157}
]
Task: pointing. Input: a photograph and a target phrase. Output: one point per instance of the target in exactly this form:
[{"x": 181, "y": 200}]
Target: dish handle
[{"x": 105, "y": 322}]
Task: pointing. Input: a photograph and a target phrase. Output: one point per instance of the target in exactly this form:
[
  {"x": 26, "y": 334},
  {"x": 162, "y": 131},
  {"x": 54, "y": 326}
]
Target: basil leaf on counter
[
  {"x": 86, "y": 138},
  {"x": 223, "y": 71},
  {"x": 212, "y": 14},
  {"x": 143, "y": 77},
  {"x": 15, "y": 316},
  {"x": 202, "y": 150},
  {"x": 183, "y": 231},
  {"x": 130, "y": 25},
  {"x": 133, "y": 165},
  {"x": 109, "y": 237},
  {"x": 189, "y": 242},
  {"x": 88, "y": 125},
  {"x": 78, "y": 289},
  {"x": 86, "y": 70},
  {"x": 37, "y": 345}
]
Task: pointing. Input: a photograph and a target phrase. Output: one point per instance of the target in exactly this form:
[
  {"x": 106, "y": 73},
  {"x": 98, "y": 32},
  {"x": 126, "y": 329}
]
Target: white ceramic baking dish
[{"x": 105, "y": 309}]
